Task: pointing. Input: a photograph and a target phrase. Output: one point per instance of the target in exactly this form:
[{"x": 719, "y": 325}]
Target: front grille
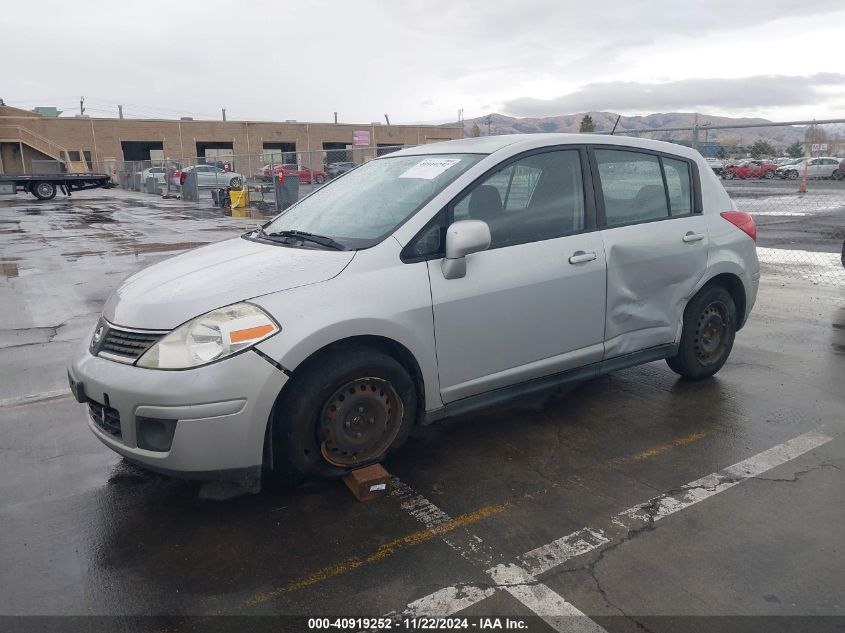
[
  {"x": 126, "y": 345},
  {"x": 105, "y": 417}
]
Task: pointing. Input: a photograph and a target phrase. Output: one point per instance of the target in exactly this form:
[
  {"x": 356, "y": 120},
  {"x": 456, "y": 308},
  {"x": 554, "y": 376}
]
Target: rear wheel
[
  {"x": 728, "y": 175},
  {"x": 343, "y": 411},
  {"x": 769, "y": 175},
  {"x": 793, "y": 175},
  {"x": 707, "y": 335},
  {"x": 236, "y": 183},
  {"x": 44, "y": 190},
  {"x": 319, "y": 179}
]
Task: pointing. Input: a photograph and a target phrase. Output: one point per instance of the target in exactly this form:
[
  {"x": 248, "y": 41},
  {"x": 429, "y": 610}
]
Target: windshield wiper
[{"x": 322, "y": 240}]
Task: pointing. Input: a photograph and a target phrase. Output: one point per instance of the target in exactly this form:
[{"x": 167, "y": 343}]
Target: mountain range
[{"x": 781, "y": 136}]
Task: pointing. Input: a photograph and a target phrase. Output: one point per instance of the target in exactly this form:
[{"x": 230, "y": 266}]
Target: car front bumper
[{"x": 220, "y": 412}]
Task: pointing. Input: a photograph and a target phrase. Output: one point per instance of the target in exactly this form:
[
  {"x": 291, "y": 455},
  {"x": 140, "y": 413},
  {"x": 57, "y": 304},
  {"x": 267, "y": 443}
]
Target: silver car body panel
[
  {"x": 377, "y": 295},
  {"x": 651, "y": 274},
  {"x": 221, "y": 409},
  {"x": 521, "y": 312},
  {"x": 180, "y": 288}
]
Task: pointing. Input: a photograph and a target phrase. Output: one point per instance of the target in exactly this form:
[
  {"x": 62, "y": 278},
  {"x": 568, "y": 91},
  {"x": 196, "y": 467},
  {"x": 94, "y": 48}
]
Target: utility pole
[
  {"x": 120, "y": 112},
  {"x": 386, "y": 118},
  {"x": 489, "y": 121},
  {"x": 695, "y": 133},
  {"x": 81, "y": 106},
  {"x": 335, "y": 118},
  {"x": 224, "y": 114}
]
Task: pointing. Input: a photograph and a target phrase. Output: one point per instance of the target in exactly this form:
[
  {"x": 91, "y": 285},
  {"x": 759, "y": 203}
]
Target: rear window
[
  {"x": 632, "y": 185},
  {"x": 639, "y": 187}
]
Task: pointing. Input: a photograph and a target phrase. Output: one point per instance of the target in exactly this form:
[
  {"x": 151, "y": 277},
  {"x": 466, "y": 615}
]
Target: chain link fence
[
  {"x": 221, "y": 173},
  {"x": 791, "y": 179}
]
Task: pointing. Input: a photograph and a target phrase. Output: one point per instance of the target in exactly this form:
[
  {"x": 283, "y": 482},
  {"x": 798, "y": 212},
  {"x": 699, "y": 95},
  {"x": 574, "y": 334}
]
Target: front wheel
[
  {"x": 44, "y": 190},
  {"x": 319, "y": 179},
  {"x": 728, "y": 175},
  {"x": 793, "y": 175},
  {"x": 769, "y": 175},
  {"x": 235, "y": 183},
  {"x": 342, "y": 411},
  {"x": 707, "y": 336}
]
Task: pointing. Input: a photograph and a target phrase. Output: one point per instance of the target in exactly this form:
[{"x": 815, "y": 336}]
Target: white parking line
[
  {"x": 543, "y": 601},
  {"x": 35, "y": 397},
  {"x": 520, "y": 579}
]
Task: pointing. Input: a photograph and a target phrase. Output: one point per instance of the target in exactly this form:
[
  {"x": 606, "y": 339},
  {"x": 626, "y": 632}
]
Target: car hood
[{"x": 171, "y": 292}]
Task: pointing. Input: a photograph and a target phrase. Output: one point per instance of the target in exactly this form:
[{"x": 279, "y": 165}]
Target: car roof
[{"x": 517, "y": 142}]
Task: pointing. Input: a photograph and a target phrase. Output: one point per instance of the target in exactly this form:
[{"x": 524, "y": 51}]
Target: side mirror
[{"x": 463, "y": 238}]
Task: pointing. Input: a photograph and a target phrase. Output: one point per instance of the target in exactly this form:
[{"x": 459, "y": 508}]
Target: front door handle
[
  {"x": 693, "y": 237},
  {"x": 579, "y": 257}
]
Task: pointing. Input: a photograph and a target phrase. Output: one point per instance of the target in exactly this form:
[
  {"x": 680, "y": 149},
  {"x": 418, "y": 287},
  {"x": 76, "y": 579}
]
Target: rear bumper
[{"x": 221, "y": 412}]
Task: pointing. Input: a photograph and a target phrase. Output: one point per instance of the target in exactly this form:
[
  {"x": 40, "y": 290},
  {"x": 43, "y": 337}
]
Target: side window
[
  {"x": 429, "y": 242},
  {"x": 678, "y": 185},
  {"x": 539, "y": 197},
  {"x": 632, "y": 185}
]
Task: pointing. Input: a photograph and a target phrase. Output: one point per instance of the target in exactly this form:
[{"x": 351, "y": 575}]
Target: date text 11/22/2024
[{"x": 417, "y": 624}]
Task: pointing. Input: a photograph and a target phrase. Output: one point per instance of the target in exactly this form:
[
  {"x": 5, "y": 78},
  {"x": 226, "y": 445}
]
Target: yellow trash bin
[{"x": 239, "y": 199}]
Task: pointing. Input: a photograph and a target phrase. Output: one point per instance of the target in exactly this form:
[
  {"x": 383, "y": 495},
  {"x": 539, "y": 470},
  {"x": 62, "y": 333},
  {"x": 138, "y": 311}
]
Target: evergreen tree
[{"x": 587, "y": 124}]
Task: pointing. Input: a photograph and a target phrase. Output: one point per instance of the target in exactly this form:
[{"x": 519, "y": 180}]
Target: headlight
[{"x": 210, "y": 337}]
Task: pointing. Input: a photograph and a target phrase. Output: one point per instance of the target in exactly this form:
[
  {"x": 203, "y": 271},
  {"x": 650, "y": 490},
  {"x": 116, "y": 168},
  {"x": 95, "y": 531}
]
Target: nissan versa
[{"x": 430, "y": 282}]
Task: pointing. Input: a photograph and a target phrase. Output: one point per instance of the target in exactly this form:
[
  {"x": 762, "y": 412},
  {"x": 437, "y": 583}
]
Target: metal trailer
[{"x": 45, "y": 186}]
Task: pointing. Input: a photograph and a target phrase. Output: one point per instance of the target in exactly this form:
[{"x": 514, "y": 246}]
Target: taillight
[
  {"x": 182, "y": 176},
  {"x": 281, "y": 179},
  {"x": 743, "y": 221}
]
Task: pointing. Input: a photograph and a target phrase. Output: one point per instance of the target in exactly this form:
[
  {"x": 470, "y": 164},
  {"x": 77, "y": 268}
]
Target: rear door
[{"x": 655, "y": 240}]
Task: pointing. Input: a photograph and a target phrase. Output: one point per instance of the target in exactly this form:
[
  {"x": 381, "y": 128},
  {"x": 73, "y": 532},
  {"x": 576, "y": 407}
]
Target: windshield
[{"x": 368, "y": 203}]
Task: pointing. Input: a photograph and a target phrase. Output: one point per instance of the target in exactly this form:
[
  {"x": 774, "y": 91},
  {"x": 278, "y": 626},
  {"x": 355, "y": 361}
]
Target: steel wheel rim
[
  {"x": 359, "y": 422},
  {"x": 45, "y": 188},
  {"x": 711, "y": 333}
]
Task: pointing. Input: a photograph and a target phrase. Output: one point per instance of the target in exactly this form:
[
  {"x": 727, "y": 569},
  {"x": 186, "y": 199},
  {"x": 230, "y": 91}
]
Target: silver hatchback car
[{"x": 430, "y": 282}]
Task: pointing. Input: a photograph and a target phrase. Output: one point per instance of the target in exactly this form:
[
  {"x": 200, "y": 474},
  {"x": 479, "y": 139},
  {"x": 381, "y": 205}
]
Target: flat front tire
[
  {"x": 342, "y": 411},
  {"x": 707, "y": 335}
]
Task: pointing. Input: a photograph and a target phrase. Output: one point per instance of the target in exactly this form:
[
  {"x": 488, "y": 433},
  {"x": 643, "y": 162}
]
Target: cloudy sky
[{"x": 422, "y": 60}]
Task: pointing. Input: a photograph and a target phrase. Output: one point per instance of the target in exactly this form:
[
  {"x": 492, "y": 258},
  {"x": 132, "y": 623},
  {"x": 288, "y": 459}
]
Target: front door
[
  {"x": 533, "y": 303},
  {"x": 656, "y": 243}
]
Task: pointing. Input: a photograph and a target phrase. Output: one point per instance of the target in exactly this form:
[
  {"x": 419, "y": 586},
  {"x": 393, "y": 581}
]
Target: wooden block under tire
[{"x": 368, "y": 483}]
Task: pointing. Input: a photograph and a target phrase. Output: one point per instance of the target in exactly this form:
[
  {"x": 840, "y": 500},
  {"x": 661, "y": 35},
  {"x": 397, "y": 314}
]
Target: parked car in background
[
  {"x": 750, "y": 169},
  {"x": 821, "y": 167},
  {"x": 839, "y": 174},
  {"x": 209, "y": 176},
  {"x": 434, "y": 281},
  {"x": 716, "y": 164},
  {"x": 159, "y": 173},
  {"x": 305, "y": 175},
  {"x": 336, "y": 169}
]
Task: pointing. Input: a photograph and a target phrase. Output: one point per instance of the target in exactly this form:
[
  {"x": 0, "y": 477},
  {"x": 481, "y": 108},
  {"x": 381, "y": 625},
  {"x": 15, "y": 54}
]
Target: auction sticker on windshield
[{"x": 430, "y": 168}]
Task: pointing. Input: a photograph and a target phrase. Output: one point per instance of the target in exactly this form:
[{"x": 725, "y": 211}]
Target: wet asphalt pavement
[{"x": 84, "y": 533}]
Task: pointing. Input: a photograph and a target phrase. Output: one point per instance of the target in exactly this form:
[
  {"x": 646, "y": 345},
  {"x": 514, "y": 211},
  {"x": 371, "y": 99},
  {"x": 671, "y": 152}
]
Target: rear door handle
[
  {"x": 693, "y": 237},
  {"x": 579, "y": 257}
]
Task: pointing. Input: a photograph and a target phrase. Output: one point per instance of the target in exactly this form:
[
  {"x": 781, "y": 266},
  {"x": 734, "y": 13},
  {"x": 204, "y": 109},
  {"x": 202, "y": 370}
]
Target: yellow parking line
[
  {"x": 384, "y": 551},
  {"x": 661, "y": 448},
  {"x": 416, "y": 538}
]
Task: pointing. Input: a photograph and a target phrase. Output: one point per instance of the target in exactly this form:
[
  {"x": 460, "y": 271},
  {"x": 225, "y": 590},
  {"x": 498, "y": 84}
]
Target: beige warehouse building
[{"x": 30, "y": 141}]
